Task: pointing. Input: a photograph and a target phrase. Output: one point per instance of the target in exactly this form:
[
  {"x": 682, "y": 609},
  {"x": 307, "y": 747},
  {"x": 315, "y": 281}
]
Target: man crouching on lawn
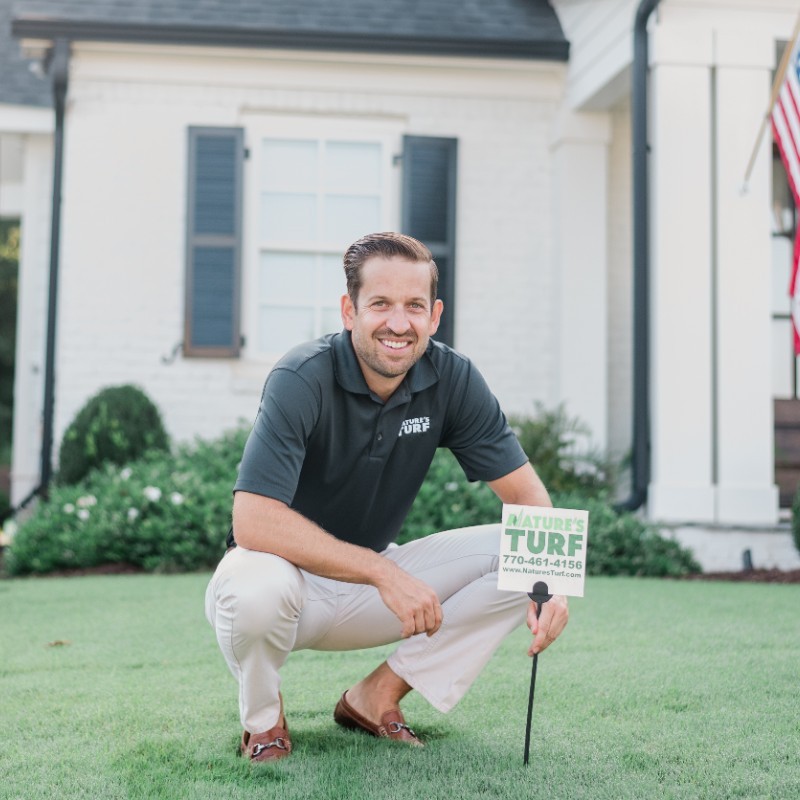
[{"x": 346, "y": 430}]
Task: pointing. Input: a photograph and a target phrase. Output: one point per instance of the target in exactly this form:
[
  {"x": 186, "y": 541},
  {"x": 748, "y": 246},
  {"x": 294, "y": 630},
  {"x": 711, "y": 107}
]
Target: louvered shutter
[
  {"x": 213, "y": 246},
  {"x": 429, "y": 211}
]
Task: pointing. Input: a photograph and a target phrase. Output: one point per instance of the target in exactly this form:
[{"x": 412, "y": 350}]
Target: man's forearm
[
  {"x": 261, "y": 523},
  {"x": 522, "y": 487}
]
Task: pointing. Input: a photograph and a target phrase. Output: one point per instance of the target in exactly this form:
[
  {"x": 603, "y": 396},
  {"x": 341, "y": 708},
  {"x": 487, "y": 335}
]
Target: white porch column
[
  {"x": 580, "y": 211},
  {"x": 680, "y": 284},
  {"x": 744, "y": 437}
]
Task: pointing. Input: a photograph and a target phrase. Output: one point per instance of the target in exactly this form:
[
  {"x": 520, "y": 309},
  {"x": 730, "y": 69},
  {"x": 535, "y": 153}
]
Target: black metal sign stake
[{"x": 540, "y": 596}]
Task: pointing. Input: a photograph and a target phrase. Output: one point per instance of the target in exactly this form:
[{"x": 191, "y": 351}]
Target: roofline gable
[{"x": 96, "y": 30}]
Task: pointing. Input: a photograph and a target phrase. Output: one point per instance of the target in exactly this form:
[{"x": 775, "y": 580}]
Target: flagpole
[{"x": 776, "y": 88}]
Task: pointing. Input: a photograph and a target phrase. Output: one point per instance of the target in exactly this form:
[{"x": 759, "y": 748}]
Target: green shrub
[
  {"x": 116, "y": 426},
  {"x": 161, "y": 513},
  {"x": 796, "y": 518},
  {"x": 559, "y": 447},
  {"x": 447, "y": 500},
  {"x": 619, "y": 544},
  {"x": 624, "y": 544}
]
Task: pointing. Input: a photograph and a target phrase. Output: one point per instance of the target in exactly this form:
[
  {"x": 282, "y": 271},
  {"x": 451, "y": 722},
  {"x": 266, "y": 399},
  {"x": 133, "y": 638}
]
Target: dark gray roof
[
  {"x": 18, "y": 85},
  {"x": 511, "y": 28}
]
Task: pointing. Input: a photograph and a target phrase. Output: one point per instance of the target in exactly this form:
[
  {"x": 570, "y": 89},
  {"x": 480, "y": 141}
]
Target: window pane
[
  {"x": 782, "y": 358},
  {"x": 280, "y": 329},
  {"x": 288, "y": 165},
  {"x": 781, "y": 273},
  {"x": 348, "y": 218},
  {"x": 288, "y": 217},
  {"x": 286, "y": 278},
  {"x": 353, "y": 167}
]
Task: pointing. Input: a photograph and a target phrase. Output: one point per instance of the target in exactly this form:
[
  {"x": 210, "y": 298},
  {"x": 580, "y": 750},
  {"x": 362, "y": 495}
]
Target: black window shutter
[
  {"x": 213, "y": 242},
  {"x": 429, "y": 211}
]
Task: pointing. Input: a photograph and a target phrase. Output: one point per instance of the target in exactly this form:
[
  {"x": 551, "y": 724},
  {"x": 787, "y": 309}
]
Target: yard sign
[{"x": 543, "y": 544}]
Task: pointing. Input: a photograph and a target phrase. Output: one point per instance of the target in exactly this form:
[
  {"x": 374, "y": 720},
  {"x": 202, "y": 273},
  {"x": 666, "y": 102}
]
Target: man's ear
[
  {"x": 436, "y": 316},
  {"x": 348, "y": 312}
]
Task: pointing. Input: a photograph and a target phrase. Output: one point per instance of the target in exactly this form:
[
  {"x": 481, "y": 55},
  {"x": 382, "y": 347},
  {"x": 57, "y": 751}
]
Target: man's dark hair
[{"x": 388, "y": 245}]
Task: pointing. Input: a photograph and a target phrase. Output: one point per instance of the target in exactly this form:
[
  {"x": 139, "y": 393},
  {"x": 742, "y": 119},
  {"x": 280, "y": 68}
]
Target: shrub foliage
[
  {"x": 619, "y": 543},
  {"x": 559, "y": 446},
  {"x": 162, "y": 513},
  {"x": 117, "y": 425},
  {"x": 796, "y": 519},
  {"x": 170, "y": 512}
]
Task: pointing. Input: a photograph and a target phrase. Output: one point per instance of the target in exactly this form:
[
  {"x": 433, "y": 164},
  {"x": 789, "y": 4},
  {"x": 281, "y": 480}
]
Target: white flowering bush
[{"x": 164, "y": 512}]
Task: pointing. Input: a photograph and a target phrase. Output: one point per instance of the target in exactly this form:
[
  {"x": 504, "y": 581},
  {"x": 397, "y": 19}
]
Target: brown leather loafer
[
  {"x": 271, "y": 745},
  {"x": 392, "y": 724}
]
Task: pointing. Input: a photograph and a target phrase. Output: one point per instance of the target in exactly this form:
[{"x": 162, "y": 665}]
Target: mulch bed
[
  {"x": 103, "y": 569},
  {"x": 750, "y": 576}
]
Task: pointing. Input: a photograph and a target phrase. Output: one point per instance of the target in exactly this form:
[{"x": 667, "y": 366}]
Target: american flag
[{"x": 786, "y": 130}]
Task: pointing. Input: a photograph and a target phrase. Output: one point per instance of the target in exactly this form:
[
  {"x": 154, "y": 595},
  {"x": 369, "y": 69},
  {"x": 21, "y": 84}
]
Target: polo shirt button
[{"x": 380, "y": 437}]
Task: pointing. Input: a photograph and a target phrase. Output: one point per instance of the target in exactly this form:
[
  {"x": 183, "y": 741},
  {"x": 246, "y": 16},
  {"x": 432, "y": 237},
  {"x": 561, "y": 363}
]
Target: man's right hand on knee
[{"x": 411, "y": 600}]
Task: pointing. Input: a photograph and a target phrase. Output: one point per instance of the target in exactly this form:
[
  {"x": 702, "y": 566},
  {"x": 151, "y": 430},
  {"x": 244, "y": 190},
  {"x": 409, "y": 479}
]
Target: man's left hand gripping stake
[{"x": 540, "y": 596}]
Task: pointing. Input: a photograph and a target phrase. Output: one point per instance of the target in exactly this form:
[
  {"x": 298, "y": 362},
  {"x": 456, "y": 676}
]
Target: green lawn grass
[{"x": 657, "y": 689}]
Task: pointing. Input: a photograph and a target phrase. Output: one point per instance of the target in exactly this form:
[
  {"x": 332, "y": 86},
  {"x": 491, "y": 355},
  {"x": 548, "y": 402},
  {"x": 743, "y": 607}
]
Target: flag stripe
[
  {"x": 786, "y": 132},
  {"x": 788, "y": 151}
]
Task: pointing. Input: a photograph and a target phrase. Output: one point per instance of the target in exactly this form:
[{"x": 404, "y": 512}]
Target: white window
[{"x": 314, "y": 196}]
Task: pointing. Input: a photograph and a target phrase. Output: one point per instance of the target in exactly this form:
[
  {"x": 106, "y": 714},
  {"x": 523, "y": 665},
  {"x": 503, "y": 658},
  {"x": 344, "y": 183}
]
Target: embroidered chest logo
[{"x": 415, "y": 425}]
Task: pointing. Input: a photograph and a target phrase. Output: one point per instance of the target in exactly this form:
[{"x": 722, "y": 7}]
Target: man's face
[{"x": 393, "y": 320}]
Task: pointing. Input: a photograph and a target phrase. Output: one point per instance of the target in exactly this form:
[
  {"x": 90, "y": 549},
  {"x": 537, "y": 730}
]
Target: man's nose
[{"x": 398, "y": 319}]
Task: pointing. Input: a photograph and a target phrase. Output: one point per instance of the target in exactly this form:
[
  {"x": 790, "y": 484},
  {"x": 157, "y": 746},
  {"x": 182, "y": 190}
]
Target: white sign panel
[{"x": 543, "y": 544}]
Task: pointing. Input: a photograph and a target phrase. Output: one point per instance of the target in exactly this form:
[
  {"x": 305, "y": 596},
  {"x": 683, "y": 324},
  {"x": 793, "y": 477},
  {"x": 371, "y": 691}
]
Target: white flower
[
  {"x": 69, "y": 508},
  {"x": 451, "y": 487},
  {"x": 83, "y": 514},
  {"x": 86, "y": 502},
  {"x": 152, "y": 493},
  {"x": 132, "y": 514},
  {"x": 126, "y": 473},
  {"x": 176, "y": 498},
  {"x": 8, "y": 530}
]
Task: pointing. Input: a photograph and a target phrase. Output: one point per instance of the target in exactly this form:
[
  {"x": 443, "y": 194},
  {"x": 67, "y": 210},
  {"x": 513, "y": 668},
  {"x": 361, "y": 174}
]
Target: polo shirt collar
[{"x": 350, "y": 377}]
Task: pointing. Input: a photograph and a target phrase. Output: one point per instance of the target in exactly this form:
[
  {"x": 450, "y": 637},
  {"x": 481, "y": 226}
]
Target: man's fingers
[
  {"x": 433, "y": 619},
  {"x": 438, "y": 617},
  {"x": 409, "y": 627},
  {"x": 533, "y": 620},
  {"x": 547, "y": 628}
]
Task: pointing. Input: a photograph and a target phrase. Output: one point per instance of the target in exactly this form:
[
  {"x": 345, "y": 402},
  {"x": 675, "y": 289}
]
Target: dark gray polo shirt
[{"x": 328, "y": 447}]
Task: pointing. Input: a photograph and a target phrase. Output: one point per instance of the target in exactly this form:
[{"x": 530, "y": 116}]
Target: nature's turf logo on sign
[{"x": 542, "y": 534}]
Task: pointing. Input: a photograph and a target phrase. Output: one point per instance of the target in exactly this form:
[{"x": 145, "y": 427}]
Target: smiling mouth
[{"x": 395, "y": 345}]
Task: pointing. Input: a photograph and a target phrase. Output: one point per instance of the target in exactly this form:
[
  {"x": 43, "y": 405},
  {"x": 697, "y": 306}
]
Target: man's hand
[
  {"x": 412, "y": 601},
  {"x": 551, "y": 622}
]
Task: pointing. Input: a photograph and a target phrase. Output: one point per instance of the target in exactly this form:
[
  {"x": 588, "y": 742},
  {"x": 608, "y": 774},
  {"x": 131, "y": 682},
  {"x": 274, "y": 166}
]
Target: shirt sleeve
[
  {"x": 478, "y": 432},
  {"x": 275, "y": 450}
]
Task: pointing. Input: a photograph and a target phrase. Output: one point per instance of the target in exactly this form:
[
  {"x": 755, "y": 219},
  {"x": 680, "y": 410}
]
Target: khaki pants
[{"x": 263, "y": 608}]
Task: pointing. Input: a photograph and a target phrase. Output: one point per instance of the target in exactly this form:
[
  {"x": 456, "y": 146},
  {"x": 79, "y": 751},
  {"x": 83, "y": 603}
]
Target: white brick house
[{"x": 537, "y": 163}]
